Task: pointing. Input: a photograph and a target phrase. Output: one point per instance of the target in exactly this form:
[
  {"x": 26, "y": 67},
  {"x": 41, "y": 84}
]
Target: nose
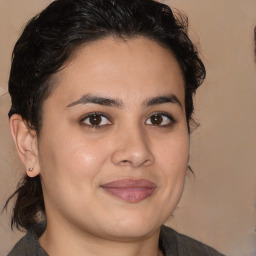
[{"x": 132, "y": 148}]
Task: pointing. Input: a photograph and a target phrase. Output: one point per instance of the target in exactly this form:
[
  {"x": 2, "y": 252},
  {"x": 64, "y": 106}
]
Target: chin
[
  {"x": 134, "y": 228},
  {"x": 129, "y": 233}
]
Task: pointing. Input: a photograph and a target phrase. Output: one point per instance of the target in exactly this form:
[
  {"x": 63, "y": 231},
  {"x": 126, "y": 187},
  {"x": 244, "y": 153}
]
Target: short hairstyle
[{"x": 48, "y": 42}]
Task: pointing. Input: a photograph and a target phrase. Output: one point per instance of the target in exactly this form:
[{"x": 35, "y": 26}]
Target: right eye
[
  {"x": 160, "y": 119},
  {"x": 95, "y": 120}
]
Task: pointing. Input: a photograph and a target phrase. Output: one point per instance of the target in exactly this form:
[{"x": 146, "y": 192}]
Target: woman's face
[{"x": 114, "y": 143}]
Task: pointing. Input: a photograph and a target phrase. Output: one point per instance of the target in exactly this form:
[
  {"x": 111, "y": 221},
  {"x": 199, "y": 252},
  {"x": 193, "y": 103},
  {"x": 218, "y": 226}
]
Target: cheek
[
  {"x": 174, "y": 152},
  {"x": 70, "y": 162},
  {"x": 70, "y": 171},
  {"x": 173, "y": 159}
]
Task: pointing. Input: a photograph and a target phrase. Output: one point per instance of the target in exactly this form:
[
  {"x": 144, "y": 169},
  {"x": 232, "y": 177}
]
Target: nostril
[
  {"x": 124, "y": 162},
  {"x": 132, "y": 155}
]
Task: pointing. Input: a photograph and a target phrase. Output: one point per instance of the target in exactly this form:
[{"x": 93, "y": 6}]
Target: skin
[{"x": 75, "y": 159}]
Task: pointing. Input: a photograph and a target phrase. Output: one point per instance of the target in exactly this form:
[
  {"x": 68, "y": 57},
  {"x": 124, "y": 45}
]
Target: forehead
[{"x": 131, "y": 69}]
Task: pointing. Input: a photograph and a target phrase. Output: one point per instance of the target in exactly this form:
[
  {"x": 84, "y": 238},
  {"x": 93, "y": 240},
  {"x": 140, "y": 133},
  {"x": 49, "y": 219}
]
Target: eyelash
[
  {"x": 102, "y": 115},
  {"x": 82, "y": 121},
  {"x": 164, "y": 114}
]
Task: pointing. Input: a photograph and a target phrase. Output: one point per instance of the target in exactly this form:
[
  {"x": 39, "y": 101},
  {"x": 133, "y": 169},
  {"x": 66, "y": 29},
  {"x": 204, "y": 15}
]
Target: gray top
[{"x": 171, "y": 243}]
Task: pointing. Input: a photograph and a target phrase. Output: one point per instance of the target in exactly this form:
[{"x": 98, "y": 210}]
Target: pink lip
[{"x": 130, "y": 190}]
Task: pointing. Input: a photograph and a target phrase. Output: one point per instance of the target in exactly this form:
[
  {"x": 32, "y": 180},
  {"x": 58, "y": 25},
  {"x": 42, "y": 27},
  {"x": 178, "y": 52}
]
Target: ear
[{"x": 25, "y": 140}]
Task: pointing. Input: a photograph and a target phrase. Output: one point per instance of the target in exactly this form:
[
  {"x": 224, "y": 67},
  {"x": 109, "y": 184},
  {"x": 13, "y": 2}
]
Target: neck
[{"x": 63, "y": 240}]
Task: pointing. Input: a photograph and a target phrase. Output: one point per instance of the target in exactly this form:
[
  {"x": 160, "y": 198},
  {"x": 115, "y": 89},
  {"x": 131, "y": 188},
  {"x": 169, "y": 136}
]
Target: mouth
[{"x": 130, "y": 190}]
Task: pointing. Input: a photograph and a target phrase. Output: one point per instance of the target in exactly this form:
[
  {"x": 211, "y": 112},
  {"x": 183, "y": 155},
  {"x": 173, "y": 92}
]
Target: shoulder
[
  {"x": 184, "y": 245},
  {"x": 28, "y": 246}
]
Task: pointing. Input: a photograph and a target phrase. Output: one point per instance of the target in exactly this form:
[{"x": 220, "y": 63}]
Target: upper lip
[{"x": 129, "y": 183}]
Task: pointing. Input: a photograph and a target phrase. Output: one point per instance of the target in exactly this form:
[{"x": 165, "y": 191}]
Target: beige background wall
[{"x": 219, "y": 205}]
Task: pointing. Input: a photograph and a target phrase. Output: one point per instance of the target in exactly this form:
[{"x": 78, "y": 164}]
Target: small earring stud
[{"x": 30, "y": 169}]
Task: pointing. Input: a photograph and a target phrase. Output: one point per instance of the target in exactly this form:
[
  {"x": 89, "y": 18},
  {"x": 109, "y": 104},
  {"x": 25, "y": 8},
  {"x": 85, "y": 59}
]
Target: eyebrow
[
  {"x": 110, "y": 102},
  {"x": 170, "y": 98},
  {"x": 89, "y": 98}
]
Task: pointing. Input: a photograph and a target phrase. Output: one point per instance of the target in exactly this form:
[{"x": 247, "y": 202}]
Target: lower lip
[{"x": 131, "y": 195}]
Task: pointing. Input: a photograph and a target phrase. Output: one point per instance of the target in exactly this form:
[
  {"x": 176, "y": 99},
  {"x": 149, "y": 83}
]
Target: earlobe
[{"x": 25, "y": 140}]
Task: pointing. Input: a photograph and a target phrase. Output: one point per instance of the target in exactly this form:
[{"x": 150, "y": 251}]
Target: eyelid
[
  {"x": 161, "y": 113},
  {"x": 166, "y": 114},
  {"x": 88, "y": 115}
]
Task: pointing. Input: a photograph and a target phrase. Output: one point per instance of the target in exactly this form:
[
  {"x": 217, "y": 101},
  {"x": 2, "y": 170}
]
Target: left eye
[
  {"x": 95, "y": 120},
  {"x": 160, "y": 119}
]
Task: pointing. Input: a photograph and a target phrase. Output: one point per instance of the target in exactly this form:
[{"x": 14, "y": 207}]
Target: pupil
[
  {"x": 156, "y": 120},
  {"x": 95, "y": 119}
]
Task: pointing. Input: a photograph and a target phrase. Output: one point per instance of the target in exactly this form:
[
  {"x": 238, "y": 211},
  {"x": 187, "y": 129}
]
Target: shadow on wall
[{"x": 254, "y": 47}]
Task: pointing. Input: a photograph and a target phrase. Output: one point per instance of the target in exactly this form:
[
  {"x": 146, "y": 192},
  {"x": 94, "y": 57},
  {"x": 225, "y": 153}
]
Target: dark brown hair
[{"x": 50, "y": 38}]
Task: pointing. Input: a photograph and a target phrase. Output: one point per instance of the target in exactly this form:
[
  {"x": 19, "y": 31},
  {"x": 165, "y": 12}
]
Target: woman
[{"x": 101, "y": 111}]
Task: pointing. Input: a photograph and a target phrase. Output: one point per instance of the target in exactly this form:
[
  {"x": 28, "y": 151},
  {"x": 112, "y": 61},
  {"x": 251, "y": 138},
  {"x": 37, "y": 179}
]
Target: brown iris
[
  {"x": 156, "y": 119},
  {"x": 95, "y": 119}
]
